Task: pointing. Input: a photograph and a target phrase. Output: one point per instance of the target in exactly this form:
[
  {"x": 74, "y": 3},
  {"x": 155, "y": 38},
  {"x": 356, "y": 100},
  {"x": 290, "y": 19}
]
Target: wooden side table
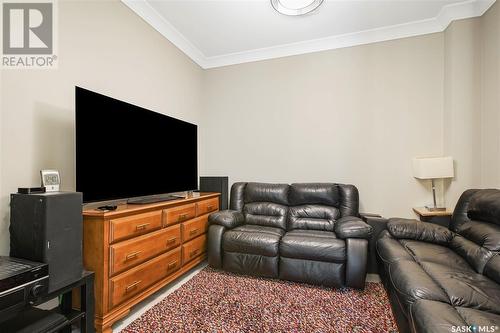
[{"x": 442, "y": 217}]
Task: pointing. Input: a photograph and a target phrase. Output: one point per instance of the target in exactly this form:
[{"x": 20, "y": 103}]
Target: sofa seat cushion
[
  {"x": 436, "y": 273},
  {"x": 478, "y": 317},
  {"x": 258, "y": 228},
  {"x": 313, "y": 245},
  {"x": 436, "y": 317},
  {"x": 253, "y": 239},
  {"x": 434, "y": 253},
  {"x": 412, "y": 283},
  {"x": 466, "y": 288},
  {"x": 312, "y": 233}
]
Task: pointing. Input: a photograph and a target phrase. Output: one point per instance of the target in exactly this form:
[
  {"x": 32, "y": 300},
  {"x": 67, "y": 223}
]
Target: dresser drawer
[
  {"x": 132, "y": 252},
  {"x": 131, "y": 226},
  {"x": 132, "y": 282},
  {"x": 207, "y": 206},
  {"x": 194, "y": 228},
  {"x": 194, "y": 248},
  {"x": 179, "y": 214}
]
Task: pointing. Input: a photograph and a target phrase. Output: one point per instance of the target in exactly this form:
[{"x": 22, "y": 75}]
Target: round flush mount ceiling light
[{"x": 295, "y": 7}]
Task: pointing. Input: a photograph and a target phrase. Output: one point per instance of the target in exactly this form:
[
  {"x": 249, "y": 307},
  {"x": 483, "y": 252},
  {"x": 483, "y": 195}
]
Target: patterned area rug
[{"x": 217, "y": 301}]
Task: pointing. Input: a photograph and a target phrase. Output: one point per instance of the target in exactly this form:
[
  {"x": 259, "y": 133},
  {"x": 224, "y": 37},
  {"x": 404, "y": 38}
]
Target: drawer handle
[
  {"x": 132, "y": 255},
  {"x": 183, "y": 216},
  {"x": 193, "y": 253},
  {"x": 141, "y": 226},
  {"x": 171, "y": 240},
  {"x": 171, "y": 265},
  {"x": 210, "y": 207},
  {"x": 132, "y": 286},
  {"x": 193, "y": 232}
]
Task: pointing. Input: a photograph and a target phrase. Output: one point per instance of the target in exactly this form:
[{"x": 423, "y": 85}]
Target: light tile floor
[{"x": 372, "y": 278}]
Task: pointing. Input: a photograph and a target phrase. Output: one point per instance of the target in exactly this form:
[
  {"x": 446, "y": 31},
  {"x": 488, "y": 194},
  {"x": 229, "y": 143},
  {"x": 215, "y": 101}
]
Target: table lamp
[{"x": 433, "y": 168}]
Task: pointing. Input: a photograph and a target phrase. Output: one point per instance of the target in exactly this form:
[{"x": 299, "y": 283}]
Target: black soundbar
[{"x": 148, "y": 200}]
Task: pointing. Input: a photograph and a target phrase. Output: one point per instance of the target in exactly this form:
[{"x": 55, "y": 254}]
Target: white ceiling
[{"x": 223, "y": 32}]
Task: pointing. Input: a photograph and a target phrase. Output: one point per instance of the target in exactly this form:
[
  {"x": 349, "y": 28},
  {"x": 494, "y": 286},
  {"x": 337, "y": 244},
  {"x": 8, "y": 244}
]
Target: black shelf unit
[{"x": 61, "y": 318}]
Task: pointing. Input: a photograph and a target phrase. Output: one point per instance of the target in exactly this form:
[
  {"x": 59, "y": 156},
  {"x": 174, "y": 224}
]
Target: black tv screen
[{"x": 125, "y": 151}]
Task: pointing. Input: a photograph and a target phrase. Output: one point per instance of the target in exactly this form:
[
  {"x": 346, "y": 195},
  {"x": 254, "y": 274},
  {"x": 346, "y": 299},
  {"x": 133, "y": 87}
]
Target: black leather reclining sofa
[
  {"x": 301, "y": 232},
  {"x": 446, "y": 280}
]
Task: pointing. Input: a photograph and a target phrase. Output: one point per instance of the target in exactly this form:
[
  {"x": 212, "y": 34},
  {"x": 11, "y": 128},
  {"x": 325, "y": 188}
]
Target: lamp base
[{"x": 435, "y": 209}]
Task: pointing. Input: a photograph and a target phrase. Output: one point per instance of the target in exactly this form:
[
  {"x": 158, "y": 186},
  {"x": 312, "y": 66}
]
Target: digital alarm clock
[{"x": 50, "y": 180}]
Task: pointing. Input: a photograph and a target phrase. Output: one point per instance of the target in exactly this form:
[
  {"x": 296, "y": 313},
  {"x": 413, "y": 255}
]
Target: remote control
[{"x": 107, "y": 207}]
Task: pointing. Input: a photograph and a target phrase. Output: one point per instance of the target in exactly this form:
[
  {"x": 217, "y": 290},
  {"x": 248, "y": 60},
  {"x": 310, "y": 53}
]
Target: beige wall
[
  {"x": 472, "y": 101},
  {"x": 490, "y": 97},
  {"x": 462, "y": 104},
  {"x": 355, "y": 115},
  {"x": 105, "y": 47}
]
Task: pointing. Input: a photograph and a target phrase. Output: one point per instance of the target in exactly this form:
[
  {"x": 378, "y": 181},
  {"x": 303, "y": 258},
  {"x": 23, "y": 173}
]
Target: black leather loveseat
[
  {"x": 301, "y": 232},
  {"x": 446, "y": 280}
]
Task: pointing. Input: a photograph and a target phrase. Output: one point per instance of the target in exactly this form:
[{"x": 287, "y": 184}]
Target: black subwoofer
[
  {"x": 47, "y": 228},
  {"x": 216, "y": 184}
]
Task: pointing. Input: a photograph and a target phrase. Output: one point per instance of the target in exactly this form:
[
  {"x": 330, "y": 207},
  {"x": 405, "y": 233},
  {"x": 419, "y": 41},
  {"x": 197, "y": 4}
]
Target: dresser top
[{"x": 125, "y": 209}]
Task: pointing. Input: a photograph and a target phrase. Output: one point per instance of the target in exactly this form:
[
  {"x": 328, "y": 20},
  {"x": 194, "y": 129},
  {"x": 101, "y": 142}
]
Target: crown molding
[
  {"x": 160, "y": 24},
  {"x": 449, "y": 13}
]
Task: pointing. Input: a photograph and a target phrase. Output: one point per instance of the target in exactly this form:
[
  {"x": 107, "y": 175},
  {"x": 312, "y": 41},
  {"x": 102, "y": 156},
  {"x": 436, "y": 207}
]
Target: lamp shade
[{"x": 431, "y": 168}]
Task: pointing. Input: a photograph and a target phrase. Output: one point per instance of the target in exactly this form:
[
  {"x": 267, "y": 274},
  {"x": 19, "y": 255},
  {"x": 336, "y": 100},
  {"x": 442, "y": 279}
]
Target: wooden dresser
[{"x": 138, "y": 249}]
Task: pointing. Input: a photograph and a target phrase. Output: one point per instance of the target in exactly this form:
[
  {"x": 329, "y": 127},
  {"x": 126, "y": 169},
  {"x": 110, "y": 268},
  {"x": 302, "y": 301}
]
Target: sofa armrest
[
  {"x": 422, "y": 231},
  {"x": 352, "y": 227},
  {"x": 378, "y": 224},
  {"x": 227, "y": 218},
  {"x": 357, "y": 262}
]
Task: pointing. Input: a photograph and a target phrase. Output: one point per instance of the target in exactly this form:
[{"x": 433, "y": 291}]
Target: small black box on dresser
[{"x": 47, "y": 227}]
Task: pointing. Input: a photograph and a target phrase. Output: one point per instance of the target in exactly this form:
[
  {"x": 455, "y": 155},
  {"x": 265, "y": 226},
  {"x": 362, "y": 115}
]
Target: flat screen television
[{"x": 125, "y": 151}]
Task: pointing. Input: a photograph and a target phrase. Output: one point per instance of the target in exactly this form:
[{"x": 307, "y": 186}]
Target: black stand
[{"x": 34, "y": 320}]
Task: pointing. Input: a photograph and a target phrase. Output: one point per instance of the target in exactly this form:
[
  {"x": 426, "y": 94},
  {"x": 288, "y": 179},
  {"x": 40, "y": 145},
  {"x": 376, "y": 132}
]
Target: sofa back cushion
[
  {"x": 313, "y": 206},
  {"x": 315, "y": 194},
  {"x": 316, "y": 206},
  {"x": 485, "y": 206},
  {"x": 266, "y": 204},
  {"x": 312, "y": 217},
  {"x": 266, "y": 214},
  {"x": 263, "y": 192},
  {"x": 476, "y": 220}
]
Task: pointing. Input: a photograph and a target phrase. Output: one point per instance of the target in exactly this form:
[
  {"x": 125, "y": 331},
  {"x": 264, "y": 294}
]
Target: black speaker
[
  {"x": 47, "y": 227},
  {"x": 216, "y": 184}
]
